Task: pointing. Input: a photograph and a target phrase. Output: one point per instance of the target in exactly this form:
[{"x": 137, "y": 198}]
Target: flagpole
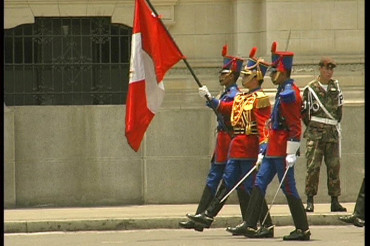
[
  {"x": 184, "y": 59},
  {"x": 189, "y": 67}
]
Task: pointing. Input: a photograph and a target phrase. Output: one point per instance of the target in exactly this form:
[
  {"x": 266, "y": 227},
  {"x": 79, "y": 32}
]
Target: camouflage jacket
[{"x": 332, "y": 100}]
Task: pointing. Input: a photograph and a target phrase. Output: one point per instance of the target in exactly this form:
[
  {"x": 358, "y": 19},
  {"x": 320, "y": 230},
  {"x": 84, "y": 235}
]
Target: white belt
[{"x": 324, "y": 120}]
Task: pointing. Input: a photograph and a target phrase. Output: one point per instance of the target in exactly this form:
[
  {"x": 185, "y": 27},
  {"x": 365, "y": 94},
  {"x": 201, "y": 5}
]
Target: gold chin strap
[
  {"x": 258, "y": 72},
  {"x": 276, "y": 77},
  {"x": 259, "y": 75},
  {"x": 251, "y": 76}
]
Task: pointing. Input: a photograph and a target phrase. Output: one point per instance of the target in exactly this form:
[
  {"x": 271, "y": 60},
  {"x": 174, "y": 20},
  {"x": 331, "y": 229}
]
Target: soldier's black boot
[
  {"x": 191, "y": 225},
  {"x": 309, "y": 207},
  {"x": 205, "y": 200},
  {"x": 360, "y": 207},
  {"x": 353, "y": 218},
  {"x": 243, "y": 198},
  {"x": 267, "y": 228},
  {"x": 238, "y": 230},
  {"x": 253, "y": 213},
  {"x": 298, "y": 235},
  {"x": 348, "y": 218},
  {"x": 205, "y": 218},
  {"x": 358, "y": 216},
  {"x": 265, "y": 231},
  {"x": 257, "y": 209},
  {"x": 359, "y": 210},
  {"x": 302, "y": 232},
  {"x": 359, "y": 222},
  {"x": 243, "y": 202},
  {"x": 335, "y": 206}
]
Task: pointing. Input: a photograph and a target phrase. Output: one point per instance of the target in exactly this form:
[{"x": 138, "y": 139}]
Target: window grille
[{"x": 67, "y": 61}]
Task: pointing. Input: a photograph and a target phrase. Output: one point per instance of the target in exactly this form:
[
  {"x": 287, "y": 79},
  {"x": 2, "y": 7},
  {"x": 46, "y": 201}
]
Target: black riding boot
[
  {"x": 360, "y": 207},
  {"x": 265, "y": 231},
  {"x": 309, "y": 207},
  {"x": 243, "y": 201},
  {"x": 205, "y": 218},
  {"x": 302, "y": 232},
  {"x": 358, "y": 216},
  {"x": 359, "y": 210},
  {"x": 205, "y": 200},
  {"x": 267, "y": 228},
  {"x": 253, "y": 213},
  {"x": 335, "y": 205},
  {"x": 243, "y": 198}
]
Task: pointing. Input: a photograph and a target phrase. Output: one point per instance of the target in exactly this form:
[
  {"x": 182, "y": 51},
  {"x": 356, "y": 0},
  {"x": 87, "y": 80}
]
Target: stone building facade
[{"x": 78, "y": 155}]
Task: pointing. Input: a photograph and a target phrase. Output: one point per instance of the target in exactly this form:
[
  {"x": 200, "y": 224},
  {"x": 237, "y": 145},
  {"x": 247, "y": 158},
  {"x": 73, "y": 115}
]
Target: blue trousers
[
  {"x": 270, "y": 167},
  {"x": 237, "y": 169},
  {"x": 214, "y": 177}
]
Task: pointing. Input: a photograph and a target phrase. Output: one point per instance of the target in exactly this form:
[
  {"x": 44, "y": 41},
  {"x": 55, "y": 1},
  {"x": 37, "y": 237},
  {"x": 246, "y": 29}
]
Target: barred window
[{"x": 67, "y": 61}]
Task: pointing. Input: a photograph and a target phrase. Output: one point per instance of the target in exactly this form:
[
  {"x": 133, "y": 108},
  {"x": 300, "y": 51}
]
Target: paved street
[
  {"x": 145, "y": 217},
  {"x": 347, "y": 235}
]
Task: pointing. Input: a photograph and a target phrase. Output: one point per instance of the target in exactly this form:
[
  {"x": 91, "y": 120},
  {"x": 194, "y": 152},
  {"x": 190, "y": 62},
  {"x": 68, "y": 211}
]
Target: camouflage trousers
[{"x": 316, "y": 150}]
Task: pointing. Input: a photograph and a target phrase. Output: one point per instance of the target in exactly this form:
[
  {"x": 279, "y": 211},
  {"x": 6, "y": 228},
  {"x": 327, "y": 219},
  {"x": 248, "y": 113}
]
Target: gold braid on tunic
[{"x": 241, "y": 115}]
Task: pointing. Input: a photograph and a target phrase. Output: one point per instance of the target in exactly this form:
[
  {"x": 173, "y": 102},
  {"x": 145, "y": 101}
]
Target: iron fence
[{"x": 67, "y": 61}]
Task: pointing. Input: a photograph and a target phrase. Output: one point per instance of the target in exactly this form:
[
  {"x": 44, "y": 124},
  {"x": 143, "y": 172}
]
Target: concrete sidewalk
[{"x": 145, "y": 217}]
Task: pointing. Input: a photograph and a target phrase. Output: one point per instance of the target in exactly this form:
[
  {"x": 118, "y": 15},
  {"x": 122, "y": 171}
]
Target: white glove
[
  {"x": 259, "y": 161},
  {"x": 290, "y": 160},
  {"x": 203, "y": 91},
  {"x": 291, "y": 150}
]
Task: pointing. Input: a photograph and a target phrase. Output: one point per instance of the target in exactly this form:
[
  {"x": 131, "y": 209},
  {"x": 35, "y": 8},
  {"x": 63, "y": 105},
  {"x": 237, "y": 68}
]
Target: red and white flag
[{"x": 153, "y": 53}]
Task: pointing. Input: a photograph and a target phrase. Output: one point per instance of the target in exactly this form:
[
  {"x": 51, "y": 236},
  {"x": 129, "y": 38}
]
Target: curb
[{"x": 149, "y": 223}]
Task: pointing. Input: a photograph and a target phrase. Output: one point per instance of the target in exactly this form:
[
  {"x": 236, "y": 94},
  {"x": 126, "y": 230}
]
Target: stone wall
[{"x": 78, "y": 156}]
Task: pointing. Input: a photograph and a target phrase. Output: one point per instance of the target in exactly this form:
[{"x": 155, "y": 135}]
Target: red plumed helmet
[
  {"x": 282, "y": 60},
  {"x": 225, "y": 50},
  {"x": 231, "y": 63},
  {"x": 253, "y": 52},
  {"x": 274, "y": 47}
]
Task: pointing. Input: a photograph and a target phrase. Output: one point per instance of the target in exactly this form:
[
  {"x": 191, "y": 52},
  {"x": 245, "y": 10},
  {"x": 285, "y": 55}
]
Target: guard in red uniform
[
  {"x": 249, "y": 113},
  {"x": 282, "y": 149},
  {"x": 228, "y": 77}
]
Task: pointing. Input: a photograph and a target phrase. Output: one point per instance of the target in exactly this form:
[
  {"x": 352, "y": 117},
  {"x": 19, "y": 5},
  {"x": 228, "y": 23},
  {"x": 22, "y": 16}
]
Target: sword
[
  {"x": 339, "y": 129},
  {"x": 245, "y": 176},
  {"x": 287, "y": 42},
  {"x": 281, "y": 182}
]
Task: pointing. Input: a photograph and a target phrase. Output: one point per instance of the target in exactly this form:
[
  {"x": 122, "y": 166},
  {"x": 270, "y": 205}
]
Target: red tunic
[
  {"x": 249, "y": 113},
  {"x": 222, "y": 145},
  {"x": 290, "y": 112},
  {"x": 223, "y": 137}
]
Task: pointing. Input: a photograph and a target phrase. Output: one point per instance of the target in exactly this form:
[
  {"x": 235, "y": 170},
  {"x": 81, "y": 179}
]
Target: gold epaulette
[{"x": 262, "y": 100}]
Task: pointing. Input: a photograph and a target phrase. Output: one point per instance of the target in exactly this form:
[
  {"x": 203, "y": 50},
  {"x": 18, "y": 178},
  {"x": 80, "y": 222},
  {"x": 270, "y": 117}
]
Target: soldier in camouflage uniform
[{"x": 321, "y": 114}]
